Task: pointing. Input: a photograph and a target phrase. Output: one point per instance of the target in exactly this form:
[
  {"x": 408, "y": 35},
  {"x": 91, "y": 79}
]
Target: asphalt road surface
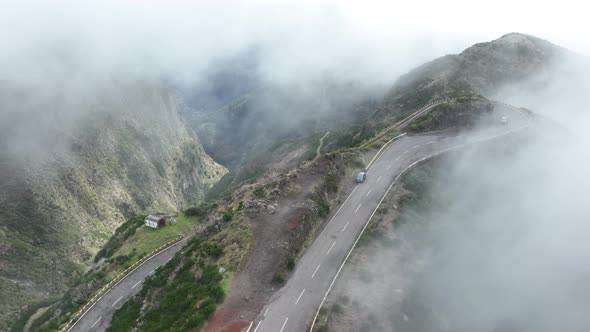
[
  {"x": 294, "y": 307},
  {"x": 98, "y": 316}
]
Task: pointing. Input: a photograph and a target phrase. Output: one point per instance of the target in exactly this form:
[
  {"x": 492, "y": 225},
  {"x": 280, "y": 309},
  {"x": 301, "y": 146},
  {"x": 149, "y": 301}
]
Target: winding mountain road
[
  {"x": 98, "y": 316},
  {"x": 295, "y": 306}
]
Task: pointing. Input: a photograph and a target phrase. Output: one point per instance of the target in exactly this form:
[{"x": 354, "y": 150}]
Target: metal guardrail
[
  {"x": 403, "y": 122},
  {"x": 72, "y": 322}
]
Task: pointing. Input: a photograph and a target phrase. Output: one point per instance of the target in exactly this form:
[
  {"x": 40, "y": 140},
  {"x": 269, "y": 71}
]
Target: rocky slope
[
  {"x": 476, "y": 73},
  {"x": 482, "y": 69},
  {"x": 73, "y": 168},
  {"x": 269, "y": 115}
]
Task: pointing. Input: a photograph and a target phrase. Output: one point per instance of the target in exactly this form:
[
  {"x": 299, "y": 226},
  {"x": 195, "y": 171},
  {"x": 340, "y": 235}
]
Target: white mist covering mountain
[
  {"x": 521, "y": 262},
  {"x": 64, "y": 53},
  {"x": 509, "y": 252}
]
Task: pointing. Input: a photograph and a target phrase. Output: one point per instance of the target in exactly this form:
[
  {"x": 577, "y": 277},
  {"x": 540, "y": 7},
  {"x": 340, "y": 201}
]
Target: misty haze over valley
[{"x": 294, "y": 166}]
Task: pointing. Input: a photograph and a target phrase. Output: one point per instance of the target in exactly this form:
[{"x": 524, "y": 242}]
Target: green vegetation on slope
[
  {"x": 30, "y": 310},
  {"x": 462, "y": 113},
  {"x": 131, "y": 242},
  {"x": 117, "y": 152},
  {"x": 481, "y": 69},
  {"x": 185, "y": 292}
]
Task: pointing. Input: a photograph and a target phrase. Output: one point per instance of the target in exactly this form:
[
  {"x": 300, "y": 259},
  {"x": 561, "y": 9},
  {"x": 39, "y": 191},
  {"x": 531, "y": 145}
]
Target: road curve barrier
[
  {"x": 400, "y": 124},
  {"x": 82, "y": 311}
]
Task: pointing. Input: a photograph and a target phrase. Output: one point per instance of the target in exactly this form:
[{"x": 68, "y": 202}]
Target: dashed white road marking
[
  {"x": 332, "y": 246},
  {"x": 431, "y": 142},
  {"x": 379, "y": 178},
  {"x": 285, "y": 323},
  {"x": 152, "y": 271},
  {"x": 368, "y": 192},
  {"x": 344, "y": 228},
  {"x": 388, "y": 167},
  {"x": 119, "y": 299},
  {"x": 257, "y": 326},
  {"x": 98, "y": 320},
  {"x": 124, "y": 278},
  {"x": 416, "y": 146},
  {"x": 316, "y": 270},
  {"x": 300, "y": 295},
  {"x": 451, "y": 148},
  {"x": 137, "y": 283},
  {"x": 357, "y": 208}
]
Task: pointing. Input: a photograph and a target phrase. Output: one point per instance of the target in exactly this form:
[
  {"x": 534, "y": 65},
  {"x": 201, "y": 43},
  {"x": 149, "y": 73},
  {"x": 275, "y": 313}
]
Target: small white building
[{"x": 154, "y": 221}]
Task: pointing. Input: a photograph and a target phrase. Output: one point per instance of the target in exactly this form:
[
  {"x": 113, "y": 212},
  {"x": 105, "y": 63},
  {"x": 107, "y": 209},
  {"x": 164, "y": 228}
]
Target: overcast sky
[
  {"x": 376, "y": 40},
  {"x": 562, "y": 22}
]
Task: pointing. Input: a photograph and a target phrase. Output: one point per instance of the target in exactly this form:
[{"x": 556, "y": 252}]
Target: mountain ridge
[
  {"x": 481, "y": 69},
  {"x": 125, "y": 152}
]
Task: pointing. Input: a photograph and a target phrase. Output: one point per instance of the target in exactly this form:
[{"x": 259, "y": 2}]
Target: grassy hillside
[
  {"x": 131, "y": 243},
  {"x": 67, "y": 186},
  {"x": 185, "y": 292},
  {"x": 480, "y": 70}
]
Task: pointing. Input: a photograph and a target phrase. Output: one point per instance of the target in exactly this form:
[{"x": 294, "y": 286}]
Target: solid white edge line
[
  {"x": 381, "y": 201},
  {"x": 300, "y": 295},
  {"x": 332, "y": 246},
  {"x": 250, "y": 326},
  {"x": 115, "y": 285},
  {"x": 383, "y": 147},
  {"x": 285, "y": 323},
  {"x": 401, "y": 123},
  {"x": 257, "y": 326},
  {"x": 266, "y": 311},
  {"x": 316, "y": 270},
  {"x": 334, "y": 216}
]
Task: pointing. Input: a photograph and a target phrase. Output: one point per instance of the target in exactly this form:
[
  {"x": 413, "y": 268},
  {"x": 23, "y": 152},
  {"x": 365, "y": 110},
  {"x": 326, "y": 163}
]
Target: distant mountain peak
[
  {"x": 524, "y": 44},
  {"x": 512, "y": 35},
  {"x": 482, "y": 69}
]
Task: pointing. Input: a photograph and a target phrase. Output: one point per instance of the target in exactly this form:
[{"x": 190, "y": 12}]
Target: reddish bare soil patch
[
  {"x": 275, "y": 237},
  {"x": 218, "y": 324},
  {"x": 294, "y": 221}
]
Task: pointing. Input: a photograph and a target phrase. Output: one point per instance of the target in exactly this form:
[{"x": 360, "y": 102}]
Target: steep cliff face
[{"x": 75, "y": 169}]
